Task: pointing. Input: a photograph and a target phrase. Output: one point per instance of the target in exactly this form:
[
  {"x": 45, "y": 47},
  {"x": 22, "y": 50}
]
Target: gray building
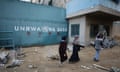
[{"x": 87, "y": 17}]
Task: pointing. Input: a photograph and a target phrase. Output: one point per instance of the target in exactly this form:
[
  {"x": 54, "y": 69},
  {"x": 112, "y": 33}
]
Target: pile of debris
[
  {"x": 112, "y": 69},
  {"x": 4, "y": 57},
  {"x": 54, "y": 57},
  {"x": 115, "y": 69},
  {"x": 99, "y": 67},
  {"x": 11, "y": 58},
  {"x": 107, "y": 43}
]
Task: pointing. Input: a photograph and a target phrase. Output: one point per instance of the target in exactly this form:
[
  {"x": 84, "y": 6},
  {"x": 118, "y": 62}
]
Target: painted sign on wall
[
  {"x": 32, "y": 24},
  {"x": 40, "y": 29}
]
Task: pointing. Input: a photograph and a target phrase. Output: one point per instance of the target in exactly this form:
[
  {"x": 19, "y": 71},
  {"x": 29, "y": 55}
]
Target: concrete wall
[
  {"x": 116, "y": 29},
  {"x": 82, "y": 21}
]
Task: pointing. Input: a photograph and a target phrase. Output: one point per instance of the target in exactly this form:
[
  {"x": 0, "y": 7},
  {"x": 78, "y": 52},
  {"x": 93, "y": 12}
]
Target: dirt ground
[{"x": 39, "y": 57}]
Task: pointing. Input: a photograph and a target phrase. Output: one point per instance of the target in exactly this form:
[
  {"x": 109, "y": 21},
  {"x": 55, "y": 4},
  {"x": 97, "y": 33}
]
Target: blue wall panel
[{"x": 32, "y": 24}]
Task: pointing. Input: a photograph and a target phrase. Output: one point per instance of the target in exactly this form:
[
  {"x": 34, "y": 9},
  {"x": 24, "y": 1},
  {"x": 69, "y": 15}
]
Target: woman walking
[
  {"x": 76, "y": 48},
  {"x": 62, "y": 50}
]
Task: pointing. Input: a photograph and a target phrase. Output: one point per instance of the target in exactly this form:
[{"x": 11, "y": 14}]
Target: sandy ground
[{"x": 39, "y": 58}]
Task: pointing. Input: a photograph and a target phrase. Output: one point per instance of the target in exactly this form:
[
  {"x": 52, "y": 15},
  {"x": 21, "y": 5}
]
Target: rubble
[
  {"x": 54, "y": 57},
  {"x": 101, "y": 67},
  {"x": 4, "y": 57},
  {"x": 112, "y": 69},
  {"x": 85, "y": 67},
  {"x": 115, "y": 69},
  {"x": 107, "y": 43},
  {"x": 15, "y": 58},
  {"x": 19, "y": 53},
  {"x": 15, "y": 63},
  {"x": 2, "y": 65},
  {"x": 31, "y": 66}
]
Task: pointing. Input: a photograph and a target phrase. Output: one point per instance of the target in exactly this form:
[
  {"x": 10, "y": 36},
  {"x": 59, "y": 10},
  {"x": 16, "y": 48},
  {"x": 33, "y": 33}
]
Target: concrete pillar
[{"x": 116, "y": 28}]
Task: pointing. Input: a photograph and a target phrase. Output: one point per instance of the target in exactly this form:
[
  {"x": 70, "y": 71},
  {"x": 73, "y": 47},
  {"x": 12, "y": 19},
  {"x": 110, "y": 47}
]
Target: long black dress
[
  {"x": 75, "y": 57},
  {"x": 62, "y": 50}
]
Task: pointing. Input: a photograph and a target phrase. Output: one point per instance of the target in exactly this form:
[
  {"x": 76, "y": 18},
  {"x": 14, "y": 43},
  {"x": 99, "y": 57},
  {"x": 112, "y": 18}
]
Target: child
[{"x": 98, "y": 45}]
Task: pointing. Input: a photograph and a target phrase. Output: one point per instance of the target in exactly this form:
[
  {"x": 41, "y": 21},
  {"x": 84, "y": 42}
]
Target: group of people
[
  {"x": 76, "y": 48},
  {"x": 63, "y": 47}
]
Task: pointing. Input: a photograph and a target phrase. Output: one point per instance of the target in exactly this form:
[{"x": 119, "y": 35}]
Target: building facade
[
  {"x": 56, "y": 3},
  {"x": 87, "y": 17}
]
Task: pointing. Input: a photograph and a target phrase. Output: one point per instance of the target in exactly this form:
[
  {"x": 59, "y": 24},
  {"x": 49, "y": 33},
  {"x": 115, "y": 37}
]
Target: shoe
[
  {"x": 96, "y": 60},
  {"x": 60, "y": 64}
]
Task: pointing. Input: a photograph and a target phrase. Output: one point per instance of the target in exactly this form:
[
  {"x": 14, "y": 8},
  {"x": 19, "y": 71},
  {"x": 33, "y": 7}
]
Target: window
[
  {"x": 74, "y": 29},
  {"x": 107, "y": 28},
  {"x": 95, "y": 28}
]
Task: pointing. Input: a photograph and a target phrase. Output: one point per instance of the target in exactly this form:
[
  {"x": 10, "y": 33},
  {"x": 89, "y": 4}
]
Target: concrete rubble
[
  {"x": 4, "y": 57},
  {"x": 15, "y": 63},
  {"x": 85, "y": 67},
  {"x": 115, "y": 69},
  {"x": 107, "y": 43},
  {"x": 54, "y": 57},
  {"x": 112, "y": 69},
  {"x": 31, "y": 66},
  {"x": 11, "y": 58}
]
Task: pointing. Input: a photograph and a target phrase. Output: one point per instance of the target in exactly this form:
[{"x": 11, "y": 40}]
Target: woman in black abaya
[
  {"x": 76, "y": 48},
  {"x": 62, "y": 50}
]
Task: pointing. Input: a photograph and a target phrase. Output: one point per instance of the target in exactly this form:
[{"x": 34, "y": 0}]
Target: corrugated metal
[{"x": 32, "y": 24}]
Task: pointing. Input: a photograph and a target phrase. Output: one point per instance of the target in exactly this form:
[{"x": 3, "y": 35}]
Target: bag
[{"x": 65, "y": 56}]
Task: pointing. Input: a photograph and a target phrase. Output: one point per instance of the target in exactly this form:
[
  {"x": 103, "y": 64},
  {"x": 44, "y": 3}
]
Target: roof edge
[{"x": 94, "y": 9}]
